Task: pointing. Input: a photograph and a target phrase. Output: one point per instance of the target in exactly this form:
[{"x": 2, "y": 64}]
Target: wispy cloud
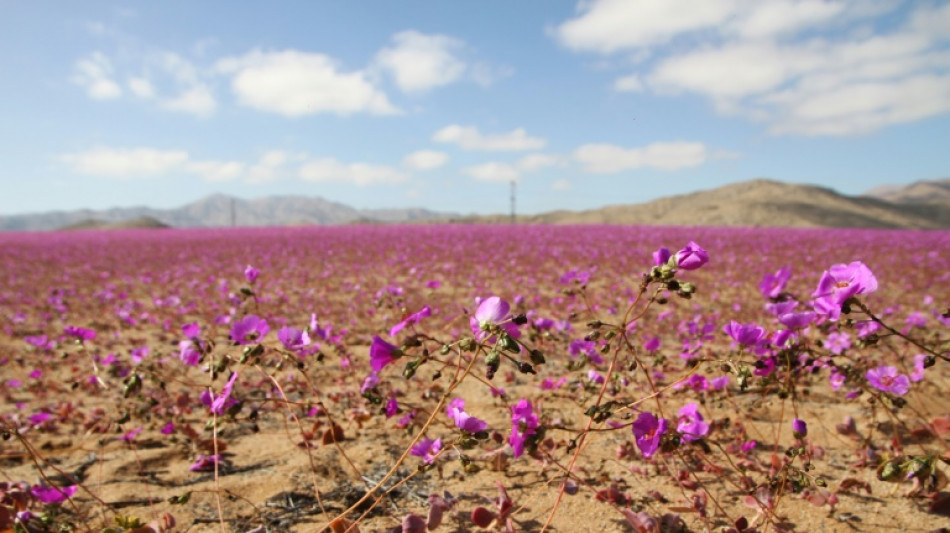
[
  {"x": 469, "y": 138},
  {"x": 362, "y": 174},
  {"x": 419, "y": 62},
  {"x": 425, "y": 160},
  {"x": 609, "y": 158},
  {"x": 124, "y": 163}
]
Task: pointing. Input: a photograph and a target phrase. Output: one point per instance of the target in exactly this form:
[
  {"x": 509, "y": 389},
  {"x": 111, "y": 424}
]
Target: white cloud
[
  {"x": 425, "y": 160},
  {"x": 180, "y": 69},
  {"x": 362, "y": 174},
  {"x": 610, "y": 25},
  {"x": 141, "y": 87},
  {"x": 803, "y": 67},
  {"x": 628, "y": 84},
  {"x": 125, "y": 163},
  {"x": 533, "y": 162},
  {"x": 94, "y": 74},
  {"x": 419, "y": 62},
  {"x": 294, "y": 84},
  {"x": 197, "y": 101},
  {"x": 486, "y": 74},
  {"x": 216, "y": 170},
  {"x": 469, "y": 138},
  {"x": 562, "y": 185},
  {"x": 497, "y": 172},
  {"x": 609, "y": 158},
  {"x": 272, "y": 165}
]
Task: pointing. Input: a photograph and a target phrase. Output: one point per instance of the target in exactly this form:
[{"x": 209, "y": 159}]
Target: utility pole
[
  {"x": 233, "y": 214},
  {"x": 512, "y": 201}
]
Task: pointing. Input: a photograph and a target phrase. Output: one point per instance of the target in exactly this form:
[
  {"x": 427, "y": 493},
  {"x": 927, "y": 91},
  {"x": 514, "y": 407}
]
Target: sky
[{"x": 442, "y": 105}]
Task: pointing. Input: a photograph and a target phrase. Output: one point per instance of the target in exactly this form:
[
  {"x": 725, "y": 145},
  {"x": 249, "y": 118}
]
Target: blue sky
[{"x": 442, "y": 104}]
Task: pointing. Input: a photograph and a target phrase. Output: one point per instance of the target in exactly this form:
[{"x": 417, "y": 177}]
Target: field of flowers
[{"x": 469, "y": 378}]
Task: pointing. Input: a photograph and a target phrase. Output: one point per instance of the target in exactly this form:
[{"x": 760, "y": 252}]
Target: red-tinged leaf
[
  {"x": 334, "y": 434},
  {"x": 641, "y": 521},
  {"x": 742, "y": 523},
  {"x": 815, "y": 498},
  {"x": 482, "y": 517},
  {"x": 342, "y": 525},
  {"x": 942, "y": 425}
]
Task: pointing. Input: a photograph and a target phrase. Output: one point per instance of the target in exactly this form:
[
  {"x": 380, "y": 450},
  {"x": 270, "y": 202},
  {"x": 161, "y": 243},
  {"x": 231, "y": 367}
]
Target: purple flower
[
  {"x": 428, "y": 449},
  {"x": 249, "y": 329},
  {"x": 189, "y": 353},
  {"x": 918, "y": 373},
  {"x": 796, "y": 321},
  {"x": 491, "y": 312},
  {"x": 138, "y": 354},
  {"x": 205, "y": 463},
  {"x": 192, "y": 330},
  {"x": 251, "y": 273},
  {"x": 292, "y": 338},
  {"x": 661, "y": 256},
  {"x": 744, "y": 334},
  {"x": 773, "y": 285},
  {"x": 168, "y": 428},
  {"x": 595, "y": 376},
  {"x": 652, "y": 344},
  {"x": 82, "y": 334},
  {"x": 647, "y": 430},
  {"x": 691, "y": 425},
  {"x": 799, "y": 428},
  {"x": 836, "y": 379},
  {"x": 371, "y": 381},
  {"x": 414, "y": 318},
  {"x": 392, "y": 407},
  {"x": 841, "y": 282},
  {"x": 221, "y": 403},
  {"x": 748, "y": 446},
  {"x": 691, "y": 257},
  {"x": 130, "y": 436},
  {"x": 53, "y": 495},
  {"x": 523, "y": 424},
  {"x": 381, "y": 353},
  {"x": 837, "y": 342},
  {"x": 463, "y": 420},
  {"x": 886, "y": 379}
]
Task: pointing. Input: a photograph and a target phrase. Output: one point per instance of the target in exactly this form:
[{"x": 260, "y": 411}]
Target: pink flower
[
  {"x": 428, "y": 449},
  {"x": 381, "y": 353},
  {"x": 691, "y": 257},
  {"x": 205, "y": 463},
  {"x": 647, "y": 430},
  {"x": 251, "y": 273},
  {"x": 82, "y": 334},
  {"x": 886, "y": 379},
  {"x": 691, "y": 425},
  {"x": 414, "y": 318},
  {"x": 249, "y": 329},
  {"x": 774, "y": 284},
  {"x": 661, "y": 256},
  {"x": 130, "y": 436},
  {"x": 392, "y": 407},
  {"x": 744, "y": 334},
  {"x": 53, "y": 495},
  {"x": 523, "y": 424},
  {"x": 839, "y": 283},
  {"x": 492, "y": 312},
  {"x": 292, "y": 338},
  {"x": 463, "y": 420},
  {"x": 221, "y": 403}
]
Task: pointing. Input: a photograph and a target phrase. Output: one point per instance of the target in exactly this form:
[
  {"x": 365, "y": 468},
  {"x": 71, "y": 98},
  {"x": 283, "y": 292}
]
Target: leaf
[{"x": 482, "y": 517}]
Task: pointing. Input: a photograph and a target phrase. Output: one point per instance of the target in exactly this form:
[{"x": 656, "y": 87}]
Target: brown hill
[
  {"x": 135, "y": 223},
  {"x": 761, "y": 202},
  {"x": 920, "y": 192}
]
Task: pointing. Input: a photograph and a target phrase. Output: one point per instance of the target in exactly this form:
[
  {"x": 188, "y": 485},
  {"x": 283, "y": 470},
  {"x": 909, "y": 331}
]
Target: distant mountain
[
  {"x": 216, "y": 211},
  {"x": 139, "y": 223},
  {"x": 764, "y": 203},
  {"x": 759, "y": 202}
]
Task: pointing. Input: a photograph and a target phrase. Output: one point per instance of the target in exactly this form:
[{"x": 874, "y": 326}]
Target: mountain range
[{"x": 764, "y": 203}]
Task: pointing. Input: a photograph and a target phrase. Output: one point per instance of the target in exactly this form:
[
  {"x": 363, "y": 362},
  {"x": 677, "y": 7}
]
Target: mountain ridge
[{"x": 758, "y": 202}]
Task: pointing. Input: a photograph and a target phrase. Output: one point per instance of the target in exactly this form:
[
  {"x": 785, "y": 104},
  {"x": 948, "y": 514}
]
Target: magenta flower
[
  {"x": 428, "y": 449},
  {"x": 886, "y": 379},
  {"x": 691, "y": 425},
  {"x": 595, "y": 377},
  {"x": 192, "y": 330},
  {"x": 661, "y": 256},
  {"x": 652, "y": 344},
  {"x": 796, "y": 321},
  {"x": 168, "y": 428},
  {"x": 251, "y": 273},
  {"x": 773, "y": 285},
  {"x": 392, "y": 407},
  {"x": 414, "y": 318},
  {"x": 491, "y": 312},
  {"x": 205, "y": 463},
  {"x": 82, "y": 334},
  {"x": 381, "y": 353},
  {"x": 371, "y": 381},
  {"x": 189, "y": 353},
  {"x": 463, "y": 420},
  {"x": 744, "y": 334},
  {"x": 918, "y": 373},
  {"x": 647, "y": 430},
  {"x": 221, "y": 403},
  {"x": 799, "y": 428},
  {"x": 523, "y": 424},
  {"x": 839, "y": 283},
  {"x": 691, "y": 257},
  {"x": 293, "y": 339},
  {"x": 249, "y": 329},
  {"x": 837, "y": 342},
  {"x": 130, "y": 436},
  {"x": 53, "y": 495}
]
